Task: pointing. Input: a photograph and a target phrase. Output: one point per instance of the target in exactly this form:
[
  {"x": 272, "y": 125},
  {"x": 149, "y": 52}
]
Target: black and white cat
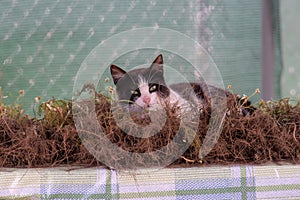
[{"x": 145, "y": 88}]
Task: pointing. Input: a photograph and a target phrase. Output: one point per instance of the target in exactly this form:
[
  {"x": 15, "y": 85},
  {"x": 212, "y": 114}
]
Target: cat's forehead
[
  {"x": 133, "y": 78},
  {"x": 139, "y": 75},
  {"x": 142, "y": 80},
  {"x": 140, "y": 71}
]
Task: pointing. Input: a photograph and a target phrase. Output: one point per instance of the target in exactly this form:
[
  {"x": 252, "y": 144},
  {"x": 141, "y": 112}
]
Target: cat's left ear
[
  {"x": 158, "y": 63},
  {"x": 117, "y": 73}
]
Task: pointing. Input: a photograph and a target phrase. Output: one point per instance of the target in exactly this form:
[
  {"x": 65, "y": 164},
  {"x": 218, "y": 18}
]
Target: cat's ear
[
  {"x": 117, "y": 73},
  {"x": 158, "y": 63}
]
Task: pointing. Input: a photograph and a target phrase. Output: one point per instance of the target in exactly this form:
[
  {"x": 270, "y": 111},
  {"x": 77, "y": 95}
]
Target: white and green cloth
[{"x": 224, "y": 182}]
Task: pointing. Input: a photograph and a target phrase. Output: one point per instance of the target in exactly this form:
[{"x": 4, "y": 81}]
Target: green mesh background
[
  {"x": 290, "y": 45},
  {"x": 43, "y": 43}
]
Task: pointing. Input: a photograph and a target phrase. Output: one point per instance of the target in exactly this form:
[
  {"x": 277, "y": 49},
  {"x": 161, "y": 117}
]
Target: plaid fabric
[{"x": 231, "y": 182}]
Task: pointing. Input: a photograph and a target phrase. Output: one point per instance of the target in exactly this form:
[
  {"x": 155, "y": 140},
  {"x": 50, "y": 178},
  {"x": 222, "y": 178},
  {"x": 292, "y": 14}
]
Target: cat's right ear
[
  {"x": 157, "y": 64},
  {"x": 117, "y": 73}
]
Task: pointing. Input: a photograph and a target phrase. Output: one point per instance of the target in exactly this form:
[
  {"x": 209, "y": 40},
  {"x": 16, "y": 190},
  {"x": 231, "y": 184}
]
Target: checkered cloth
[{"x": 226, "y": 182}]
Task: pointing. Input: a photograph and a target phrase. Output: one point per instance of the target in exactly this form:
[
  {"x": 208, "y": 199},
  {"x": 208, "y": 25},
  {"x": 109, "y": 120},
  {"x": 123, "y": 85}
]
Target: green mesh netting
[
  {"x": 43, "y": 43},
  {"x": 290, "y": 45}
]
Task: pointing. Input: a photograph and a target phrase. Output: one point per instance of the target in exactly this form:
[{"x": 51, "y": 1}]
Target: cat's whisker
[{"x": 126, "y": 101}]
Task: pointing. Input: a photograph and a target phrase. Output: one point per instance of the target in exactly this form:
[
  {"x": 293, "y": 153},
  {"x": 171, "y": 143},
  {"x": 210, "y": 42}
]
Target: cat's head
[{"x": 144, "y": 87}]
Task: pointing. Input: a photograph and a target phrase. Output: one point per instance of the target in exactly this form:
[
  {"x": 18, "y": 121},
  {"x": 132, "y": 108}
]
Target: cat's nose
[{"x": 146, "y": 100}]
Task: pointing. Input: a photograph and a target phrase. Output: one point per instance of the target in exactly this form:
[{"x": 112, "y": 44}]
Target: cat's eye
[
  {"x": 134, "y": 92},
  {"x": 153, "y": 88}
]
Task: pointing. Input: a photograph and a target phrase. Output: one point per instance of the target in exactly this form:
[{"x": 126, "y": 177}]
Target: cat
[{"x": 146, "y": 89}]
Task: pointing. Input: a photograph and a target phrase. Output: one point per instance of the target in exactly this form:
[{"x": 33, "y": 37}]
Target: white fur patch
[
  {"x": 144, "y": 90},
  {"x": 157, "y": 103}
]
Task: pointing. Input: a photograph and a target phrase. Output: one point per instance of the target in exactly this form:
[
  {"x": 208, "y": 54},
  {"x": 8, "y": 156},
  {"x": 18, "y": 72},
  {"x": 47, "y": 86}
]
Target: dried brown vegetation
[{"x": 270, "y": 134}]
